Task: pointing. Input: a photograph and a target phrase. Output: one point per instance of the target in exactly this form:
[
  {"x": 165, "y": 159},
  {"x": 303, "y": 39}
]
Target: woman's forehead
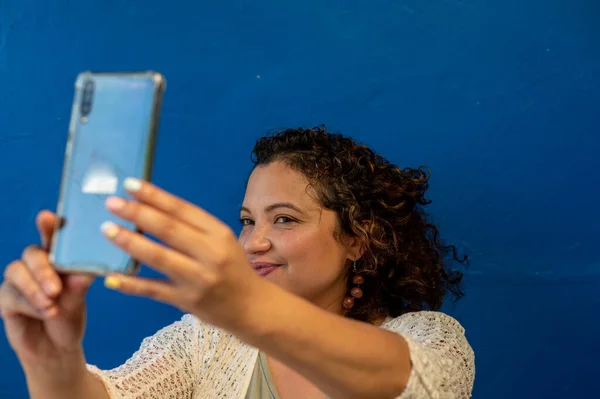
[{"x": 277, "y": 182}]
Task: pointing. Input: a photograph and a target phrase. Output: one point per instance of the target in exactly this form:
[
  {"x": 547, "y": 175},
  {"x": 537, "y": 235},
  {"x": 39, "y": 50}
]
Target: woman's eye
[
  {"x": 246, "y": 221},
  {"x": 283, "y": 219}
]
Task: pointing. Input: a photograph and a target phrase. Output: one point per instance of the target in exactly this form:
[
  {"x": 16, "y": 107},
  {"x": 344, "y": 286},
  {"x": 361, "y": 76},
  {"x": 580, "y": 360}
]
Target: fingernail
[
  {"x": 132, "y": 184},
  {"x": 115, "y": 203},
  {"x": 112, "y": 282},
  {"x": 109, "y": 229},
  {"x": 50, "y": 287}
]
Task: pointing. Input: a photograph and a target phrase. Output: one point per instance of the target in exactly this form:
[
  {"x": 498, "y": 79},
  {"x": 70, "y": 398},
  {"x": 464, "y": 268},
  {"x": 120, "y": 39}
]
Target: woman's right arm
[
  {"x": 65, "y": 378},
  {"x": 44, "y": 320},
  {"x": 167, "y": 364}
]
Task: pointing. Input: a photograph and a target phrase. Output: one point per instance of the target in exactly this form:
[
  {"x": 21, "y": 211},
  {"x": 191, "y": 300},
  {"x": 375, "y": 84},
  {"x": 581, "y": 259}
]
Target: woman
[{"x": 330, "y": 229}]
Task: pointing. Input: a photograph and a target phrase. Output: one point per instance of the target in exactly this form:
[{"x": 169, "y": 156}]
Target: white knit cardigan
[{"x": 193, "y": 360}]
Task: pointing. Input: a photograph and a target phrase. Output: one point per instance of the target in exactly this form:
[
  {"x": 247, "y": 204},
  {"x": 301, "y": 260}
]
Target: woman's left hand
[{"x": 207, "y": 269}]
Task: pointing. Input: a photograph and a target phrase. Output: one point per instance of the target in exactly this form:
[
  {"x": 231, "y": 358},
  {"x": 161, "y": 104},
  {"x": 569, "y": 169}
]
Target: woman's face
[{"x": 289, "y": 237}]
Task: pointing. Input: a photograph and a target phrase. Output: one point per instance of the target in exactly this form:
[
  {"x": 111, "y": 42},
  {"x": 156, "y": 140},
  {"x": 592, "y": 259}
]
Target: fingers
[
  {"x": 13, "y": 303},
  {"x": 162, "y": 291},
  {"x": 36, "y": 260},
  {"x": 21, "y": 293},
  {"x": 164, "y": 260},
  {"x": 45, "y": 222},
  {"x": 171, "y": 205},
  {"x": 170, "y": 230}
]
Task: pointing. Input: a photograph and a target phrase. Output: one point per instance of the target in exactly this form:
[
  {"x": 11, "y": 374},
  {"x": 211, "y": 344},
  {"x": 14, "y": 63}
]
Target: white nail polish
[
  {"x": 110, "y": 229},
  {"x": 132, "y": 184}
]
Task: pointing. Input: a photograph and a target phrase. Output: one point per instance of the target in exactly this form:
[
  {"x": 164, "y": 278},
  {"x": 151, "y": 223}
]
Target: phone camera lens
[{"x": 87, "y": 99}]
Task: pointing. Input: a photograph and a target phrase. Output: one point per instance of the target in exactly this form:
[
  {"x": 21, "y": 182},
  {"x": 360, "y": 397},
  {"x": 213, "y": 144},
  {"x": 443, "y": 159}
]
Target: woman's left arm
[
  {"x": 209, "y": 276},
  {"x": 343, "y": 357},
  {"x": 420, "y": 355}
]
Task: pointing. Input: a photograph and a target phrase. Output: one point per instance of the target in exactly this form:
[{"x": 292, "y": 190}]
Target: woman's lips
[{"x": 264, "y": 268}]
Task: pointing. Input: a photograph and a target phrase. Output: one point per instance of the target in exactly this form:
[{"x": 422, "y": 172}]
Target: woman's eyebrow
[{"x": 275, "y": 206}]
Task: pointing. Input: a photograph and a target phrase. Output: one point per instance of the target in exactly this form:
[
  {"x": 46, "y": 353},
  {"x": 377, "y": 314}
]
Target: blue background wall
[{"x": 499, "y": 98}]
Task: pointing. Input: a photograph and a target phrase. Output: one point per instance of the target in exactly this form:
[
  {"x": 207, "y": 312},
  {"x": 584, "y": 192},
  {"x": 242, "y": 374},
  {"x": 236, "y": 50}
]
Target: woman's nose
[{"x": 256, "y": 240}]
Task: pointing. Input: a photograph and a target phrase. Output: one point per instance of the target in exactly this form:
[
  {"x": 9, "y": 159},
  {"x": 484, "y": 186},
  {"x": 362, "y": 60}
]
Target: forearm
[
  {"x": 64, "y": 379},
  {"x": 343, "y": 357}
]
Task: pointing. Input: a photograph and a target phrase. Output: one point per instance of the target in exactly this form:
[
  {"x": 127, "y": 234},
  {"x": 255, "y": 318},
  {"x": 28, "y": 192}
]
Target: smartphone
[{"x": 112, "y": 134}]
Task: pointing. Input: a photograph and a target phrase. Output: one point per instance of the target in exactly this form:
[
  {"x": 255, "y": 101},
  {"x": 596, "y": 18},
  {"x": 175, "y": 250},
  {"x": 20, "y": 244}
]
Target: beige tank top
[{"x": 261, "y": 384}]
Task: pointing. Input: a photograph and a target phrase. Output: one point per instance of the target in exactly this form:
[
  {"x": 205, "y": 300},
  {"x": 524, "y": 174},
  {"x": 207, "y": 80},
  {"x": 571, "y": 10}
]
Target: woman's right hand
[{"x": 43, "y": 311}]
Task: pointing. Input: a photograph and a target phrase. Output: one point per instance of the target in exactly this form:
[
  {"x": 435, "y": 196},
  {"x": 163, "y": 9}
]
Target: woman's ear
[
  {"x": 356, "y": 248},
  {"x": 356, "y": 245}
]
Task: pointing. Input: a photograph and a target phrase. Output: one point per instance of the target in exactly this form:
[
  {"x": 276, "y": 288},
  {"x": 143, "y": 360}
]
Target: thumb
[{"x": 45, "y": 222}]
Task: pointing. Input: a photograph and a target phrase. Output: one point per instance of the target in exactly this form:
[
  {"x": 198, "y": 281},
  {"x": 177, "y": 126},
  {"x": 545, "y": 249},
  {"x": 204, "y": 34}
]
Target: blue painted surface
[{"x": 500, "y": 99}]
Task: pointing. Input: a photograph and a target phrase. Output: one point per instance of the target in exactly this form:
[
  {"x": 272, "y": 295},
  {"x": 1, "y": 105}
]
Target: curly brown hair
[{"x": 403, "y": 260}]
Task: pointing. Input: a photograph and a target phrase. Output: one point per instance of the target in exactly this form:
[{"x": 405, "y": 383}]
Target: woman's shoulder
[
  {"x": 423, "y": 322},
  {"x": 439, "y": 351},
  {"x": 201, "y": 328},
  {"x": 209, "y": 336}
]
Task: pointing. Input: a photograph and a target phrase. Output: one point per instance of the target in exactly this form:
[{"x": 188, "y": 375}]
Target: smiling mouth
[
  {"x": 264, "y": 268},
  {"x": 264, "y": 271}
]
